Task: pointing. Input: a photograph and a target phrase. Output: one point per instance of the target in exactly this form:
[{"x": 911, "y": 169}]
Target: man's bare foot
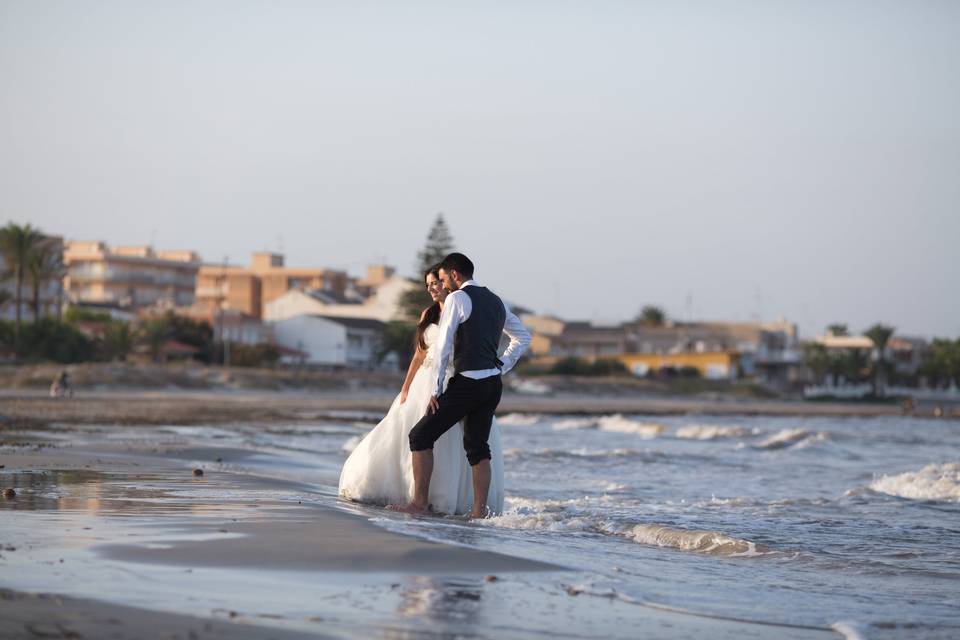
[
  {"x": 411, "y": 508},
  {"x": 474, "y": 515}
]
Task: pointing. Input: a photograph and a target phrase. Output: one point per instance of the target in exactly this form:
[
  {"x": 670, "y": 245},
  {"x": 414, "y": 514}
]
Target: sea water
[{"x": 844, "y": 523}]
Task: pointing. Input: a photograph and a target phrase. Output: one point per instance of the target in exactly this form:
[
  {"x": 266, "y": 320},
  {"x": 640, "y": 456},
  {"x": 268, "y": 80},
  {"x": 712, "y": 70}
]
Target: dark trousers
[{"x": 474, "y": 402}]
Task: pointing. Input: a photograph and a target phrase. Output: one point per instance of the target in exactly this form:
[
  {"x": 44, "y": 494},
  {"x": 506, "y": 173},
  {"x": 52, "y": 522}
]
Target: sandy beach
[{"x": 113, "y": 535}]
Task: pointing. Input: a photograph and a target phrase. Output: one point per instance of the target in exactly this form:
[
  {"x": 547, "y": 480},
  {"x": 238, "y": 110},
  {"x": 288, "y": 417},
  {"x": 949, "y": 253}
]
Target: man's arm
[
  {"x": 519, "y": 340},
  {"x": 454, "y": 312}
]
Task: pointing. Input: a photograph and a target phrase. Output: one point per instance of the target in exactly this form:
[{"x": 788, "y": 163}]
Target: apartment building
[
  {"x": 249, "y": 289},
  {"x": 130, "y": 277}
]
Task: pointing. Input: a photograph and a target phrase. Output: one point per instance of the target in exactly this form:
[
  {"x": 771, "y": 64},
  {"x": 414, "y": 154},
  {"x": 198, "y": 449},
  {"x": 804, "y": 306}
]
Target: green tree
[
  {"x": 117, "y": 340},
  {"x": 941, "y": 364},
  {"x": 49, "y": 339},
  {"x": 154, "y": 333},
  {"x": 398, "y": 336},
  {"x": 652, "y": 316},
  {"x": 17, "y": 243},
  {"x": 838, "y": 329},
  {"x": 439, "y": 244},
  {"x": 880, "y": 335},
  {"x": 816, "y": 358},
  {"x": 45, "y": 263}
]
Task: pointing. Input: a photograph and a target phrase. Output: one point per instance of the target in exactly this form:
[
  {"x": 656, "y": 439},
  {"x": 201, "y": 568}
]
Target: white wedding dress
[{"x": 379, "y": 470}]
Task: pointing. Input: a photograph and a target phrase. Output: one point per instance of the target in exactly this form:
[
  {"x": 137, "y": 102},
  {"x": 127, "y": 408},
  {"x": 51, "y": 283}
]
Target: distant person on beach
[
  {"x": 60, "y": 388},
  {"x": 438, "y": 448}
]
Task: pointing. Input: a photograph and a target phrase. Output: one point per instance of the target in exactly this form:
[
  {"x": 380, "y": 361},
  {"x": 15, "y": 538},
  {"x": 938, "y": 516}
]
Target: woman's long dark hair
[{"x": 431, "y": 314}]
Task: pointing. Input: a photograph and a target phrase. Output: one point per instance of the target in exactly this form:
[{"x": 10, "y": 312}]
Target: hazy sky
[{"x": 726, "y": 160}]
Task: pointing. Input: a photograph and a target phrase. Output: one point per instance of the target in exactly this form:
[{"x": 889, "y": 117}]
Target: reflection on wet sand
[{"x": 439, "y": 600}]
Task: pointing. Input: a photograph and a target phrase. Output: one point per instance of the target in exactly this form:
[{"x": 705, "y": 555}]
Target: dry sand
[{"x": 192, "y": 407}]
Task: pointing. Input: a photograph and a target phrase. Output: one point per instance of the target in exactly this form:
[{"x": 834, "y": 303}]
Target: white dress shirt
[{"x": 456, "y": 310}]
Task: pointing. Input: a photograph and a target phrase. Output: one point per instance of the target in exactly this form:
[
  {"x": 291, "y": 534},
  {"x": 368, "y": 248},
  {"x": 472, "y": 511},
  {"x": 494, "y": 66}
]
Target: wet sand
[{"x": 135, "y": 545}]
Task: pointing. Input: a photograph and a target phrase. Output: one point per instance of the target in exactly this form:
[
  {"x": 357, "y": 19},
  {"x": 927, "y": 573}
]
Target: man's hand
[{"x": 434, "y": 404}]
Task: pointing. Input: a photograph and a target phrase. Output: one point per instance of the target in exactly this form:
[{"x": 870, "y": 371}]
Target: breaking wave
[
  {"x": 519, "y": 419},
  {"x": 570, "y": 424},
  {"x": 708, "y": 542},
  {"x": 938, "y": 482},
  {"x": 618, "y": 424},
  {"x": 582, "y": 515},
  {"x": 796, "y": 438},
  {"x": 712, "y": 432},
  {"x": 351, "y": 444},
  {"x": 585, "y": 454}
]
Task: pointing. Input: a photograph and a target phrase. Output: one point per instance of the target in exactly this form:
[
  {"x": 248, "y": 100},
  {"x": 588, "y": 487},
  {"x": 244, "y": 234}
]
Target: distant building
[
  {"x": 768, "y": 352},
  {"x": 51, "y": 296},
  {"x": 332, "y": 341},
  {"x": 129, "y": 277},
  {"x": 382, "y": 303},
  {"x": 544, "y": 330},
  {"x": 250, "y": 289},
  {"x": 713, "y": 365},
  {"x": 905, "y": 353}
]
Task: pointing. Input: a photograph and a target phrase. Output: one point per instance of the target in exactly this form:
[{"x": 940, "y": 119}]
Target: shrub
[
  {"x": 580, "y": 367},
  {"x": 258, "y": 355},
  {"x": 57, "y": 341}
]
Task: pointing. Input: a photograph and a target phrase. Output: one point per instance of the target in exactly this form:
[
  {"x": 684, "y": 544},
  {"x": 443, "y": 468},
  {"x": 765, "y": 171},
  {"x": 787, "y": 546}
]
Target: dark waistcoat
[{"x": 477, "y": 339}]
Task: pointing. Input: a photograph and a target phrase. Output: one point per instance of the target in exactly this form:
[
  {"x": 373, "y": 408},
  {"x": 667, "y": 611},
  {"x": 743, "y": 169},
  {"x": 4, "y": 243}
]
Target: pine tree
[{"x": 439, "y": 244}]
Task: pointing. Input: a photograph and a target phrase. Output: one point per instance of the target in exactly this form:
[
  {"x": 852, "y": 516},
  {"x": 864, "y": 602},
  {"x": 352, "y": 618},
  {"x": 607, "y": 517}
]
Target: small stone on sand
[
  {"x": 490, "y": 578},
  {"x": 9, "y": 494},
  {"x": 198, "y": 472}
]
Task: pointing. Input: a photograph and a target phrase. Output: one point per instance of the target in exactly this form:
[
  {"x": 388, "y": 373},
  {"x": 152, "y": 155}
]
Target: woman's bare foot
[{"x": 411, "y": 508}]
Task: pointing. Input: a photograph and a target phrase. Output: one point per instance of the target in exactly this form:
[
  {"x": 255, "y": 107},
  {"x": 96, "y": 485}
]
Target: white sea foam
[
  {"x": 850, "y": 630},
  {"x": 940, "y": 482},
  {"x": 581, "y": 515},
  {"x": 570, "y": 424},
  {"x": 708, "y": 542},
  {"x": 519, "y": 419},
  {"x": 618, "y": 424},
  {"x": 712, "y": 432},
  {"x": 591, "y": 454},
  {"x": 797, "y": 438},
  {"x": 351, "y": 444}
]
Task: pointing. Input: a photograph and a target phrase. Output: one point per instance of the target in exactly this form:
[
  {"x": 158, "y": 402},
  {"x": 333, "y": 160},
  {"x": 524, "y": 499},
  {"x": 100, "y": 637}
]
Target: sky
[{"x": 723, "y": 160}]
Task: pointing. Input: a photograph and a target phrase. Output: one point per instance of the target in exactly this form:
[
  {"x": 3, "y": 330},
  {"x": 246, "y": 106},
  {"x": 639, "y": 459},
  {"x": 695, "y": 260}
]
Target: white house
[
  {"x": 332, "y": 341},
  {"x": 382, "y": 305}
]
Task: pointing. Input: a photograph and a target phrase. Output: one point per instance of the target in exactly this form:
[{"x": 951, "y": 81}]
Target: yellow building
[
  {"x": 132, "y": 277},
  {"x": 711, "y": 364}
]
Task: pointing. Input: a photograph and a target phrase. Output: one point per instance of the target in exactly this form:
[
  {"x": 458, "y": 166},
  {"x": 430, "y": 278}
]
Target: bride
[{"x": 380, "y": 469}]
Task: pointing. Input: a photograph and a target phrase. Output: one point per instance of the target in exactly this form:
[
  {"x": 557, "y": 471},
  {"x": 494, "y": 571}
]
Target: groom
[{"x": 472, "y": 321}]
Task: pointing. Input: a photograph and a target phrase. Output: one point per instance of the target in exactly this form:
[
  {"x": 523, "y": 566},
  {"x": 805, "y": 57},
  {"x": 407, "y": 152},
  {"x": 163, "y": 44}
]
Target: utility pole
[{"x": 222, "y": 283}]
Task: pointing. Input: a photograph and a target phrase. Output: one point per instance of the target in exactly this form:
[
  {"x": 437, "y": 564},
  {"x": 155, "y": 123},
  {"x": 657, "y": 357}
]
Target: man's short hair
[{"x": 459, "y": 263}]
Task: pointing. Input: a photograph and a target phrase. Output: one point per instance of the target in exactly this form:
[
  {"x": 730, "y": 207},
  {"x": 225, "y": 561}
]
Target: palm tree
[
  {"x": 838, "y": 329},
  {"x": 880, "y": 335},
  {"x": 45, "y": 263},
  {"x": 17, "y": 243},
  {"x": 154, "y": 333},
  {"x": 817, "y": 359},
  {"x": 652, "y": 316}
]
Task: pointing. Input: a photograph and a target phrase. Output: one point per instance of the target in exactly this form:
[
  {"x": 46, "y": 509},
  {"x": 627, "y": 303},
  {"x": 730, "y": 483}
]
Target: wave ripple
[{"x": 938, "y": 482}]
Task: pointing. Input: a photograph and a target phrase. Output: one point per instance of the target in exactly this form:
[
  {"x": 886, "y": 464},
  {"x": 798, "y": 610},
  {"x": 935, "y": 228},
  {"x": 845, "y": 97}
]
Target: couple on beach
[{"x": 413, "y": 461}]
